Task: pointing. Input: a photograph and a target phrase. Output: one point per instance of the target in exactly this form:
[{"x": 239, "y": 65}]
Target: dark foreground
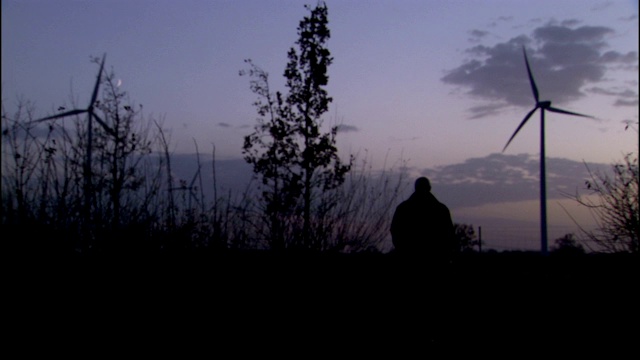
[{"x": 479, "y": 301}]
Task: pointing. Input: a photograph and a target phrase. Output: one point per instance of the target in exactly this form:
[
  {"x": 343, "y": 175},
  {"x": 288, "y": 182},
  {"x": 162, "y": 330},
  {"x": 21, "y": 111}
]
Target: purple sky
[{"x": 432, "y": 82}]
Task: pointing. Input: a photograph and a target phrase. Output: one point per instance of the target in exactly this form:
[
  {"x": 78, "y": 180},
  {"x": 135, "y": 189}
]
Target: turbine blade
[
  {"x": 95, "y": 89},
  {"x": 534, "y": 88},
  {"x": 520, "y": 127},
  {"x": 64, "y": 114},
  {"x": 104, "y": 125},
  {"x": 556, "y": 110},
  {"x": 195, "y": 177}
]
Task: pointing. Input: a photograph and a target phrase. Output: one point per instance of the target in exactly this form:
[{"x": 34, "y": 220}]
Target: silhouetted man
[{"x": 422, "y": 225}]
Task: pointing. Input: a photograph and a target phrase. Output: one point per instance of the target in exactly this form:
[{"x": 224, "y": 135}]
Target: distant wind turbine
[
  {"x": 542, "y": 105},
  {"x": 191, "y": 188},
  {"x": 91, "y": 115}
]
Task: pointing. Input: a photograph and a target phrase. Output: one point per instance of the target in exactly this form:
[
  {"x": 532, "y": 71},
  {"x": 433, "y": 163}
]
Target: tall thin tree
[{"x": 298, "y": 158}]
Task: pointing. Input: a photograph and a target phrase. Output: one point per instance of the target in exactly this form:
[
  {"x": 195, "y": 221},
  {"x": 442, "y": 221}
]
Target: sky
[{"x": 430, "y": 84}]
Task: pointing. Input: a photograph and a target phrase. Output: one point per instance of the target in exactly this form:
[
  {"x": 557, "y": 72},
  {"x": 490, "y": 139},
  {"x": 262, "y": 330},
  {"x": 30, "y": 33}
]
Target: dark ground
[{"x": 478, "y": 301}]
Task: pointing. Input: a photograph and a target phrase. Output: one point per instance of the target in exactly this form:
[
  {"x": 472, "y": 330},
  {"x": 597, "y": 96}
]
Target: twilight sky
[{"x": 434, "y": 82}]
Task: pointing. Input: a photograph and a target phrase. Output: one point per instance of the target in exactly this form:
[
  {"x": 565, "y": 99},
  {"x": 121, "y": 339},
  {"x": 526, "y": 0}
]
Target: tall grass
[
  {"x": 139, "y": 204},
  {"x": 357, "y": 215}
]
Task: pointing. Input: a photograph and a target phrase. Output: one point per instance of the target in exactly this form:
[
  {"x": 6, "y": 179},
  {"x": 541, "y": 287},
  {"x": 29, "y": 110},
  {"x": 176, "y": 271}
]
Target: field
[{"x": 478, "y": 302}]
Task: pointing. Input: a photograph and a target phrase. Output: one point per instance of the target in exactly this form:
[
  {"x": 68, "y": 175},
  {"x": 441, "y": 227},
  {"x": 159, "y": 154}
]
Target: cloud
[
  {"x": 602, "y": 6},
  {"x": 563, "y": 58},
  {"x": 571, "y": 22},
  {"x": 396, "y": 139},
  {"x": 19, "y": 133},
  {"x": 593, "y": 35},
  {"x": 232, "y": 175},
  {"x": 496, "y": 178},
  {"x": 633, "y": 17},
  {"x": 486, "y": 110},
  {"x": 500, "y": 19},
  {"x": 622, "y": 102},
  {"x": 625, "y": 97},
  {"x": 629, "y": 58},
  {"x": 224, "y": 124},
  {"x": 347, "y": 128},
  {"x": 477, "y": 35},
  {"x": 613, "y": 92},
  {"x": 500, "y": 178}
]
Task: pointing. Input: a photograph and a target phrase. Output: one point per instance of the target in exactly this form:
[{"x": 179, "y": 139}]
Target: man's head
[{"x": 422, "y": 185}]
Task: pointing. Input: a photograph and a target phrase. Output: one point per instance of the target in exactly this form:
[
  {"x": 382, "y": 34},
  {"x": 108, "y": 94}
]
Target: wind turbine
[
  {"x": 543, "y": 106},
  {"x": 191, "y": 188},
  {"x": 91, "y": 115}
]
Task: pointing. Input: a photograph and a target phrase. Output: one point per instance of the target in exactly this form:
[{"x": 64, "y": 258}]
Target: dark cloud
[
  {"x": 232, "y": 175},
  {"x": 395, "y": 139},
  {"x": 601, "y": 6},
  {"x": 629, "y": 18},
  {"x": 501, "y": 19},
  {"x": 627, "y": 93},
  {"x": 496, "y": 73},
  {"x": 571, "y": 22},
  {"x": 622, "y": 102},
  {"x": 492, "y": 179},
  {"x": 614, "y": 56},
  {"x": 563, "y": 60},
  {"x": 625, "y": 97},
  {"x": 347, "y": 128},
  {"x": 481, "y": 111},
  {"x": 500, "y": 178},
  {"x": 40, "y": 131},
  {"x": 224, "y": 125},
  {"x": 564, "y": 34},
  {"x": 477, "y": 35}
]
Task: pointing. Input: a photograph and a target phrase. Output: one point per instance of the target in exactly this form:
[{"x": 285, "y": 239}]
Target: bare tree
[
  {"x": 466, "y": 238},
  {"x": 614, "y": 204},
  {"x": 567, "y": 245},
  {"x": 46, "y": 166},
  {"x": 120, "y": 155}
]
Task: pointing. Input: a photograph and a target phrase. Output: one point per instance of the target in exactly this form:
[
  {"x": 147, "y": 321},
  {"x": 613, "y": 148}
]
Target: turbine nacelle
[{"x": 544, "y": 104}]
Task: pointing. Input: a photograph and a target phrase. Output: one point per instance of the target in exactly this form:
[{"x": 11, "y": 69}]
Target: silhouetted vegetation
[
  {"x": 288, "y": 151},
  {"x": 614, "y": 204},
  {"x": 45, "y": 171},
  {"x": 303, "y": 197},
  {"x": 567, "y": 245},
  {"x": 140, "y": 206},
  {"x": 466, "y": 238}
]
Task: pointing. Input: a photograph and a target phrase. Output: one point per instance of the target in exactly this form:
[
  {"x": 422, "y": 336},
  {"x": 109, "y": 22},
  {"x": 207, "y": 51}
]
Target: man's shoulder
[
  {"x": 408, "y": 201},
  {"x": 437, "y": 201},
  {"x": 404, "y": 204},
  {"x": 443, "y": 206},
  {"x": 444, "y": 209}
]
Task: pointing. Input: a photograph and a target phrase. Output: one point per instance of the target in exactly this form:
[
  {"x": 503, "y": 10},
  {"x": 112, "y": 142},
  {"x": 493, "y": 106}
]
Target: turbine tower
[{"x": 543, "y": 106}]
